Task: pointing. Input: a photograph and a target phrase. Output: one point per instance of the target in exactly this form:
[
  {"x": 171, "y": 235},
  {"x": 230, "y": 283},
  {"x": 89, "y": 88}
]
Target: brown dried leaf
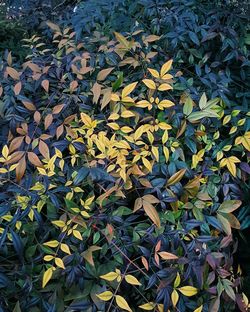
[
  {"x": 58, "y": 108},
  {"x": 48, "y": 121},
  {"x": 44, "y": 150},
  {"x": 20, "y": 169},
  {"x": 104, "y": 73},
  {"x": 12, "y": 73},
  {"x": 33, "y": 158},
  {"x": 17, "y": 88},
  {"x": 45, "y": 85}
]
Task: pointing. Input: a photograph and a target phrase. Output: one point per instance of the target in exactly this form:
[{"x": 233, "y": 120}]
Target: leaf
[
  {"x": 225, "y": 224},
  {"x": 53, "y": 243},
  {"x": 45, "y": 85},
  {"x": 138, "y": 204},
  {"x": 151, "y": 199},
  {"x": 147, "y": 306},
  {"x": 174, "y": 297},
  {"x": 199, "y": 309},
  {"x": 30, "y": 106},
  {"x": 43, "y": 149},
  {"x": 128, "y": 89},
  {"x": 203, "y": 101},
  {"x": 166, "y": 67},
  {"x": 165, "y": 87},
  {"x": 5, "y": 151},
  {"x": 58, "y": 108},
  {"x": 149, "y": 83},
  {"x": 111, "y": 276},
  {"x": 188, "y": 290},
  {"x": 33, "y": 158},
  {"x": 122, "y": 39},
  {"x": 105, "y": 296},
  {"x": 104, "y": 73},
  {"x": 152, "y": 213},
  {"x": 167, "y": 255},
  {"x": 59, "y": 263},
  {"x": 96, "y": 90},
  {"x": 17, "y": 88},
  {"x": 73, "y": 85},
  {"x": 20, "y": 170},
  {"x": 12, "y": 73},
  {"x": 147, "y": 164},
  {"x": 188, "y": 106},
  {"x": 229, "y": 206},
  {"x": 132, "y": 280},
  {"x": 53, "y": 26},
  {"x": 122, "y": 303},
  {"x": 48, "y": 121},
  {"x": 176, "y": 177},
  {"x": 47, "y": 276},
  {"x": 154, "y": 73}
]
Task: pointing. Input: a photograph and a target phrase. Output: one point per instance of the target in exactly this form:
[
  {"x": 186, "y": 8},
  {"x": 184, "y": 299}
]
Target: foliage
[{"x": 115, "y": 178}]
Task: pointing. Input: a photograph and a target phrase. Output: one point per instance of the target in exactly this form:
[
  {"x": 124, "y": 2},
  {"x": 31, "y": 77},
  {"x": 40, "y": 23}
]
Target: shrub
[{"x": 113, "y": 179}]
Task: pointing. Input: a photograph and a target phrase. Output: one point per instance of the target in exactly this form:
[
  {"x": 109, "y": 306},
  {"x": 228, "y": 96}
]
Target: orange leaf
[
  {"x": 48, "y": 121},
  {"x": 12, "y": 73},
  {"x": 152, "y": 213},
  {"x": 20, "y": 169},
  {"x": 45, "y": 85},
  {"x": 18, "y": 88},
  {"x": 33, "y": 158},
  {"x": 58, "y": 108},
  {"x": 167, "y": 255},
  {"x": 43, "y": 148}
]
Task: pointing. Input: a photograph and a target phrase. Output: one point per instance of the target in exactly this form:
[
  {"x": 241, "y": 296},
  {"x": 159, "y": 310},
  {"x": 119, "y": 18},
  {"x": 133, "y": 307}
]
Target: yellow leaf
[
  {"x": 164, "y": 126},
  {"x": 199, "y": 309},
  {"x": 48, "y": 258},
  {"x": 166, "y": 153},
  {"x": 177, "y": 280},
  {"x": 114, "y": 116},
  {"x": 174, "y": 297},
  {"x": 166, "y": 67},
  {"x": 246, "y": 141},
  {"x": 147, "y": 164},
  {"x": 122, "y": 39},
  {"x": 3, "y": 170},
  {"x": 105, "y": 296},
  {"x": 113, "y": 125},
  {"x": 59, "y": 223},
  {"x": 165, "y": 104},
  {"x": 86, "y": 119},
  {"x": 165, "y": 137},
  {"x": 77, "y": 234},
  {"x": 132, "y": 280},
  {"x": 47, "y": 276},
  {"x": 59, "y": 263},
  {"x": 111, "y": 276},
  {"x": 165, "y": 87},
  {"x": 53, "y": 243},
  {"x": 127, "y": 114},
  {"x": 5, "y": 151},
  {"x": 167, "y": 255},
  {"x": 65, "y": 248},
  {"x": 144, "y": 104},
  {"x": 122, "y": 303},
  {"x": 128, "y": 89},
  {"x": 115, "y": 97},
  {"x": 188, "y": 290},
  {"x": 126, "y": 129},
  {"x": 176, "y": 177},
  {"x": 147, "y": 306},
  {"x": 149, "y": 83},
  {"x": 139, "y": 132},
  {"x": 155, "y": 152},
  {"x": 154, "y": 72}
]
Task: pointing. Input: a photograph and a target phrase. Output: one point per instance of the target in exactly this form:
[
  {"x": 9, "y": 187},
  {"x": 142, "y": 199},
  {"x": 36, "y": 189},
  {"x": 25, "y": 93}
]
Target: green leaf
[
  {"x": 188, "y": 106},
  {"x": 229, "y": 206}
]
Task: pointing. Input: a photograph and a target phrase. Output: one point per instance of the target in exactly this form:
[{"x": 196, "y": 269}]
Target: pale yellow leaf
[{"x": 122, "y": 303}]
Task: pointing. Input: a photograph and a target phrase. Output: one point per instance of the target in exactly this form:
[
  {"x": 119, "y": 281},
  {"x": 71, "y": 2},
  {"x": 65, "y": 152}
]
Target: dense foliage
[{"x": 124, "y": 167}]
